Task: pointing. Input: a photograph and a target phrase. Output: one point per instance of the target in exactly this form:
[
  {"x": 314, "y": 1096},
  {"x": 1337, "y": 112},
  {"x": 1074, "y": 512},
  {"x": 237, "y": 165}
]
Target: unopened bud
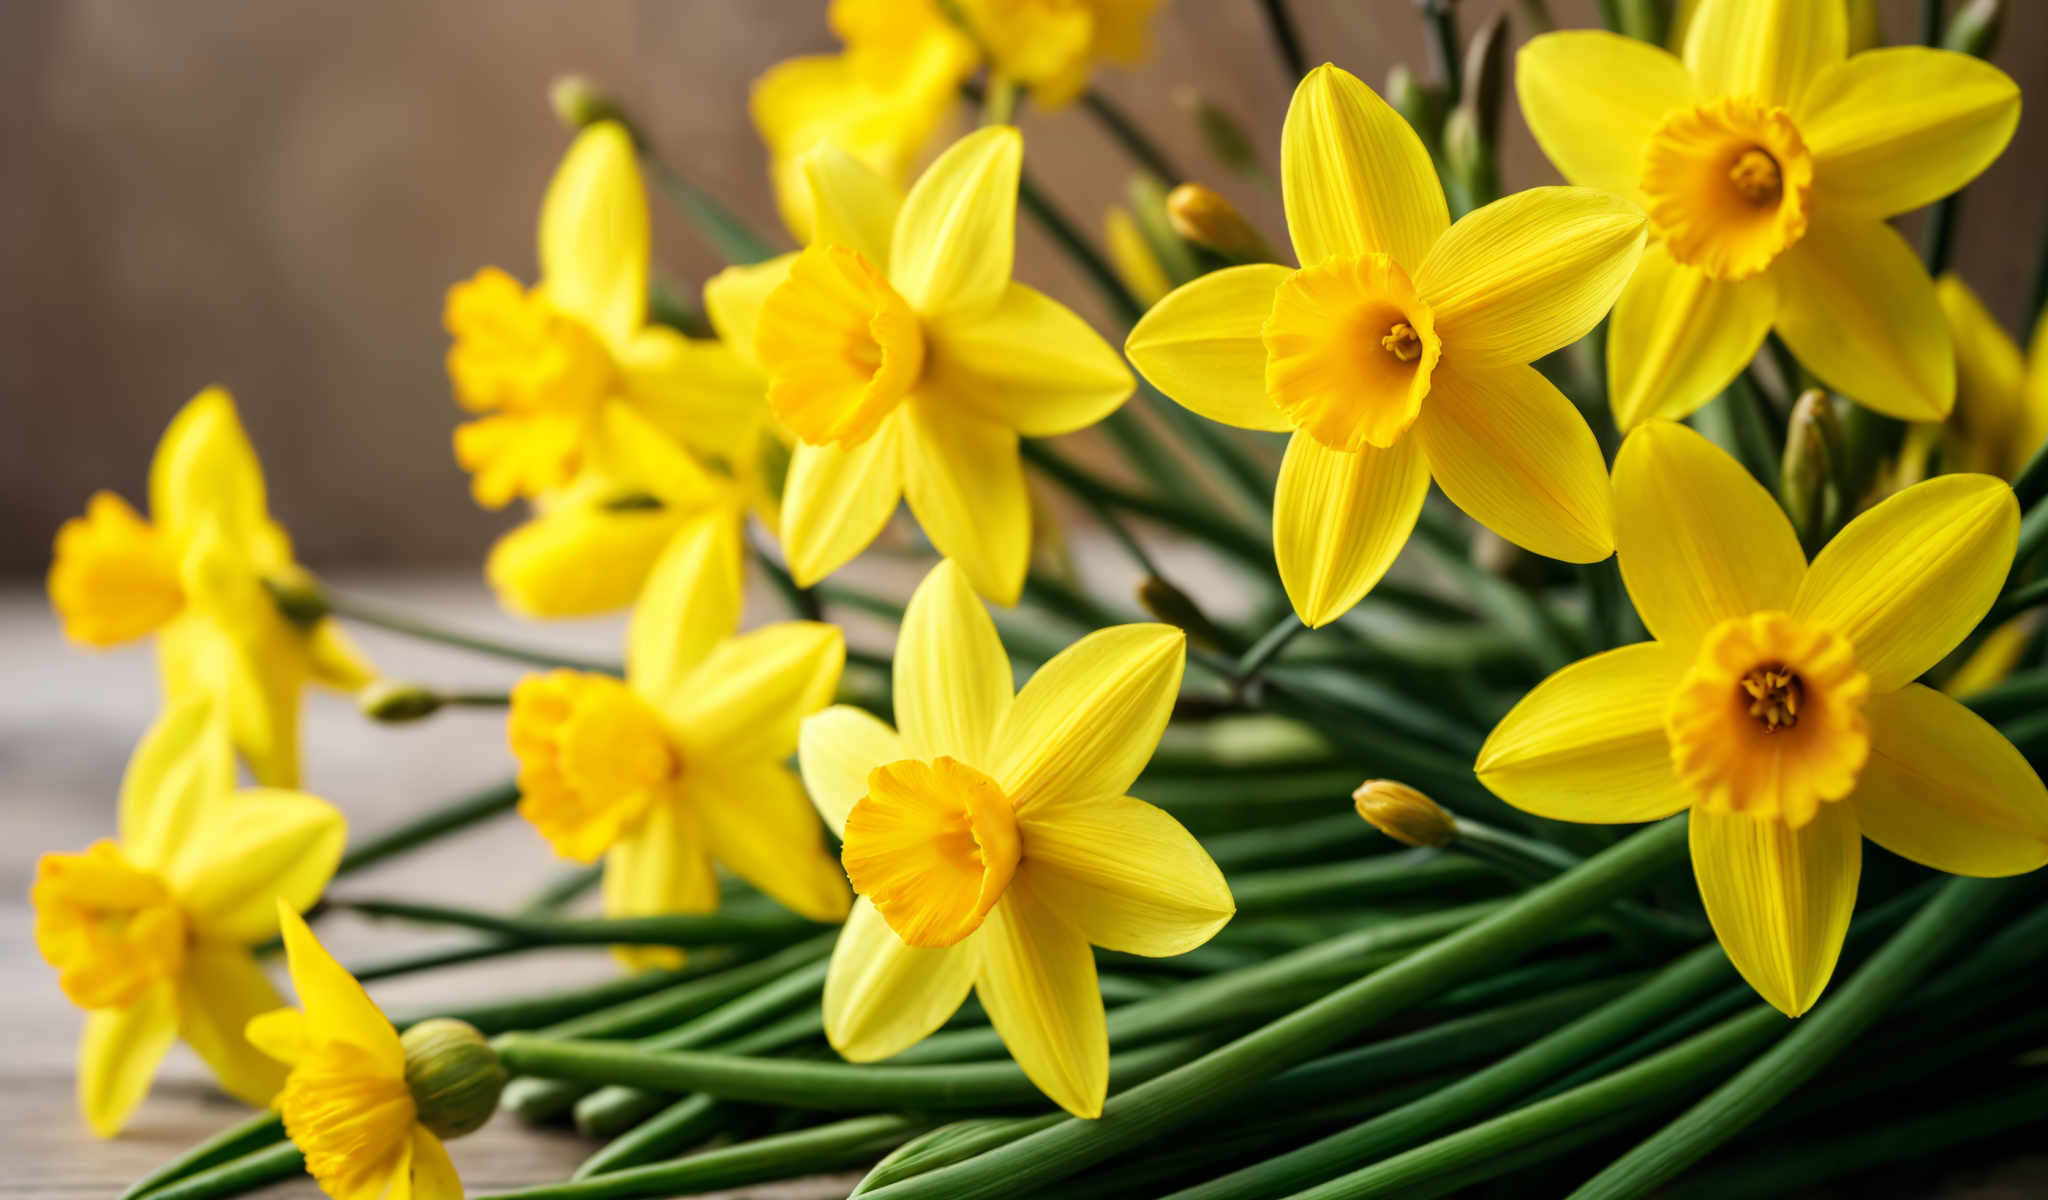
[
  {"x": 577, "y": 102},
  {"x": 1485, "y": 70},
  {"x": 1404, "y": 814},
  {"x": 453, "y": 1074},
  {"x": 297, "y": 596},
  {"x": 1812, "y": 463},
  {"x": 1173, "y": 606},
  {"x": 1416, "y": 104},
  {"x": 1221, "y": 133},
  {"x": 1201, "y": 215},
  {"x": 395, "y": 703},
  {"x": 1468, "y": 159},
  {"x": 1975, "y": 28}
]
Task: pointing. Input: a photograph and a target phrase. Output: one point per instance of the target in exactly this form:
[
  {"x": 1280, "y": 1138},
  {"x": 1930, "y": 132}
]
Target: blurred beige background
[{"x": 274, "y": 197}]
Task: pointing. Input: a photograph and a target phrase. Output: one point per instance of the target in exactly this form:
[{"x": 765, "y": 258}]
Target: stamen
[
  {"x": 1756, "y": 178},
  {"x": 1775, "y": 695},
  {"x": 1402, "y": 342}
]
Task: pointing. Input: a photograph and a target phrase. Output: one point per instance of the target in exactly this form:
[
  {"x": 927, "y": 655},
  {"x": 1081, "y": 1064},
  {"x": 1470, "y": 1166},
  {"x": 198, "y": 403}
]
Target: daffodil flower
[
  {"x": 194, "y": 576},
  {"x": 681, "y": 761},
  {"x": 907, "y": 363},
  {"x": 992, "y": 842},
  {"x": 151, "y": 935},
  {"x": 1049, "y": 46},
  {"x": 1768, "y": 159},
  {"x": 2001, "y": 414},
  {"x": 1400, "y": 349},
  {"x": 1778, "y": 702}
]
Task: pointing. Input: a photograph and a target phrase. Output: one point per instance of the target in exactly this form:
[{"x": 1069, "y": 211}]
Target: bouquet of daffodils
[{"x": 1728, "y": 570}]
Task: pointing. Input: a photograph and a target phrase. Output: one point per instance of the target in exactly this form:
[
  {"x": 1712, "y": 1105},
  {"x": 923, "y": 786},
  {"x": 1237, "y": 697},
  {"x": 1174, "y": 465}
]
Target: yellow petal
[
  {"x": 205, "y": 470},
  {"x": 219, "y": 992},
  {"x": 1037, "y": 981},
  {"x": 1507, "y": 447},
  {"x": 280, "y": 1033},
  {"x": 1124, "y": 874},
  {"x": 1995, "y": 657},
  {"x": 691, "y": 602},
  {"x": 1355, "y": 178},
  {"x": 1988, "y": 428},
  {"x": 1779, "y": 898},
  {"x": 882, "y": 996},
  {"x": 1088, "y": 721},
  {"x": 336, "y": 1007},
  {"x": 964, "y": 481},
  {"x": 837, "y": 500},
  {"x": 253, "y": 851},
  {"x": 1028, "y": 363},
  {"x": 745, "y": 699},
  {"x": 732, "y": 300},
  {"x": 664, "y": 866},
  {"x": 1857, "y": 308},
  {"x": 763, "y": 829},
  {"x": 578, "y": 560},
  {"x": 851, "y": 204},
  {"x": 182, "y": 766},
  {"x": 114, "y": 576},
  {"x": 1699, "y": 540},
  {"x": 1945, "y": 789},
  {"x": 1340, "y": 517},
  {"x": 593, "y": 234},
  {"x": 952, "y": 679},
  {"x": 433, "y": 1175},
  {"x": 1906, "y": 581},
  {"x": 704, "y": 395},
  {"x": 118, "y": 1055},
  {"x": 1770, "y": 49},
  {"x": 1587, "y": 744},
  {"x": 335, "y": 659},
  {"x": 1678, "y": 337},
  {"x": 1529, "y": 273},
  {"x": 1894, "y": 129},
  {"x": 1592, "y": 98},
  {"x": 836, "y": 750},
  {"x": 1204, "y": 346},
  {"x": 956, "y": 234}
]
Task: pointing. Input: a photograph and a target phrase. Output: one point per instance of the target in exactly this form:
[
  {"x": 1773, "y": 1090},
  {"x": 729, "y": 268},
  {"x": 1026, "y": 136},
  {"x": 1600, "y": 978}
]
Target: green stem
[
  {"x": 1285, "y": 38},
  {"x": 431, "y": 960},
  {"x": 1091, "y": 262},
  {"x": 949, "y": 1144},
  {"x": 551, "y": 896},
  {"x": 611, "y": 1111},
  {"x": 534, "y": 1012},
  {"x": 428, "y": 826},
  {"x": 1391, "y": 876},
  {"x": 257, "y": 1132},
  {"x": 1120, "y": 126},
  {"x": 379, "y": 617},
  {"x": 680, "y": 929},
  {"x": 727, "y": 234},
  {"x": 1269, "y": 645},
  {"x": 1444, "y": 50},
  {"x": 1224, "y": 534},
  {"x": 1272, "y": 846},
  {"x": 673, "y": 1131},
  {"x": 2033, "y": 535},
  {"x": 1930, "y": 22},
  {"x": 238, "y": 1175},
  {"x": 2031, "y": 484},
  {"x": 698, "y": 993}
]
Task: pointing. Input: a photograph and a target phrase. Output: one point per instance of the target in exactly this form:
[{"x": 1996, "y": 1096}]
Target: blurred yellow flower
[
  {"x": 1778, "y": 704},
  {"x": 680, "y": 763},
  {"x": 991, "y": 841},
  {"x": 907, "y": 362},
  {"x": 1399, "y": 350},
  {"x": 1768, "y": 159},
  {"x": 151, "y": 935},
  {"x": 194, "y": 576},
  {"x": 1136, "y": 265},
  {"x": 2001, "y": 415},
  {"x": 1049, "y": 46}
]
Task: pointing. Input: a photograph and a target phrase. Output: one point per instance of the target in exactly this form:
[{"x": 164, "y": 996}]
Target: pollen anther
[
  {"x": 1402, "y": 342},
  {"x": 1775, "y": 694},
  {"x": 1756, "y": 176}
]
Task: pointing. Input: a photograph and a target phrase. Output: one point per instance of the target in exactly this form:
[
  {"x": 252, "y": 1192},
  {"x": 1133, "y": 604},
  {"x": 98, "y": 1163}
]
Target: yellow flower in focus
[
  {"x": 193, "y": 575},
  {"x": 1400, "y": 350},
  {"x": 681, "y": 762},
  {"x": 907, "y": 363},
  {"x": 1778, "y": 702},
  {"x": 991, "y": 841},
  {"x": 151, "y": 934},
  {"x": 1768, "y": 159}
]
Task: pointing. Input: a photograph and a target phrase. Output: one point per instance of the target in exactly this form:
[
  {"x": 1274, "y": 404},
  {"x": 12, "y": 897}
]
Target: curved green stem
[
  {"x": 428, "y": 826},
  {"x": 379, "y": 617},
  {"x": 710, "y": 929},
  {"x": 1120, "y": 126},
  {"x": 237, "y": 1175},
  {"x": 257, "y": 1132},
  {"x": 830, "y": 1147}
]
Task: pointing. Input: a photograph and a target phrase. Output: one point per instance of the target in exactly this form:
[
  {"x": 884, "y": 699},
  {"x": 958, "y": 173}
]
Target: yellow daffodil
[
  {"x": 1049, "y": 46},
  {"x": 1778, "y": 702},
  {"x": 193, "y": 574},
  {"x": 1400, "y": 349},
  {"x": 1768, "y": 159},
  {"x": 2001, "y": 414},
  {"x": 151, "y": 934},
  {"x": 367, "y": 1108},
  {"x": 991, "y": 840},
  {"x": 1136, "y": 265},
  {"x": 681, "y": 761},
  {"x": 1865, "y": 30},
  {"x": 907, "y": 363}
]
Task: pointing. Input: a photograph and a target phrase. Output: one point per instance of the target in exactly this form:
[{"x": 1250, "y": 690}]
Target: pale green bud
[{"x": 453, "y": 1074}]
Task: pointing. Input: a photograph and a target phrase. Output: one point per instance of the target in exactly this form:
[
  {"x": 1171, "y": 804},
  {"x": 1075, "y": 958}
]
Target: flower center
[
  {"x": 932, "y": 845},
  {"x": 1769, "y": 719},
  {"x": 347, "y": 1111},
  {"x": 115, "y": 577},
  {"x": 1727, "y": 186},
  {"x": 840, "y": 347},
  {"x": 110, "y": 928},
  {"x": 1349, "y": 350},
  {"x": 593, "y": 758}
]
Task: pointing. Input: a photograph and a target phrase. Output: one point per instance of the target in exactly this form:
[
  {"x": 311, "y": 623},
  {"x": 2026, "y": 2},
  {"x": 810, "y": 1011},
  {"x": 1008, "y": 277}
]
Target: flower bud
[
  {"x": 1812, "y": 462},
  {"x": 1415, "y": 103},
  {"x": 1404, "y": 814},
  {"x": 1173, "y": 606},
  {"x": 578, "y": 103},
  {"x": 1221, "y": 133},
  {"x": 1468, "y": 159},
  {"x": 453, "y": 1074},
  {"x": 1204, "y": 217},
  {"x": 1485, "y": 70},
  {"x": 1975, "y": 28},
  {"x": 297, "y": 596},
  {"x": 395, "y": 702}
]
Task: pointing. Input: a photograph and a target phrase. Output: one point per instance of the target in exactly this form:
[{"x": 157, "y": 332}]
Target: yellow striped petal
[
  {"x": 182, "y": 766},
  {"x": 744, "y": 701},
  {"x": 1857, "y": 308},
  {"x": 956, "y": 235},
  {"x": 433, "y": 1175},
  {"x": 964, "y": 481},
  {"x": 837, "y": 750},
  {"x": 1124, "y": 874},
  {"x": 852, "y": 205},
  {"x": 881, "y": 996},
  {"x": 732, "y": 301},
  {"x": 1507, "y": 447},
  {"x": 593, "y": 234},
  {"x": 1945, "y": 789},
  {"x": 280, "y": 1033},
  {"x": 1593, "y": 98},
  {"x": 1894, "y": 129},
  {"x": 336, "y": 1006},
  {"x": 1698, "y": 539},
  {"x": 1037, "y": 981},
  {"x": 1028, "y": 363},
  {"x": 1088, "y": 721},
  {"x": 1770, "y": 49},
  {"x": 763, "y": 829},
  {"x": 690, "y": 603},
  {"x": 1529, "y": 273},
  {"x": 1678, "y": 337},
  {"x": 253, "y": 851},
  {"x": 1204, "y": 345},
  {"x": 953, "y": 681},
  {"x": 1355, "y": 178},
  {"x": 1906, "y": 581},
  {"x": 205, "y": 471},
  {"x": 1340, "y": 518},
  {"x": 577, "y": 561},
  {"x": 118, "y": 1053},
  {"x": 1779, "y": 898},
  {"x": 664, "y": 866},
  {"x": 699, "y": 392},
  {"x": 221, "y": 989},
  {"x": 837, "y": 500},
  {"x": 1587, "y": 744}
]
